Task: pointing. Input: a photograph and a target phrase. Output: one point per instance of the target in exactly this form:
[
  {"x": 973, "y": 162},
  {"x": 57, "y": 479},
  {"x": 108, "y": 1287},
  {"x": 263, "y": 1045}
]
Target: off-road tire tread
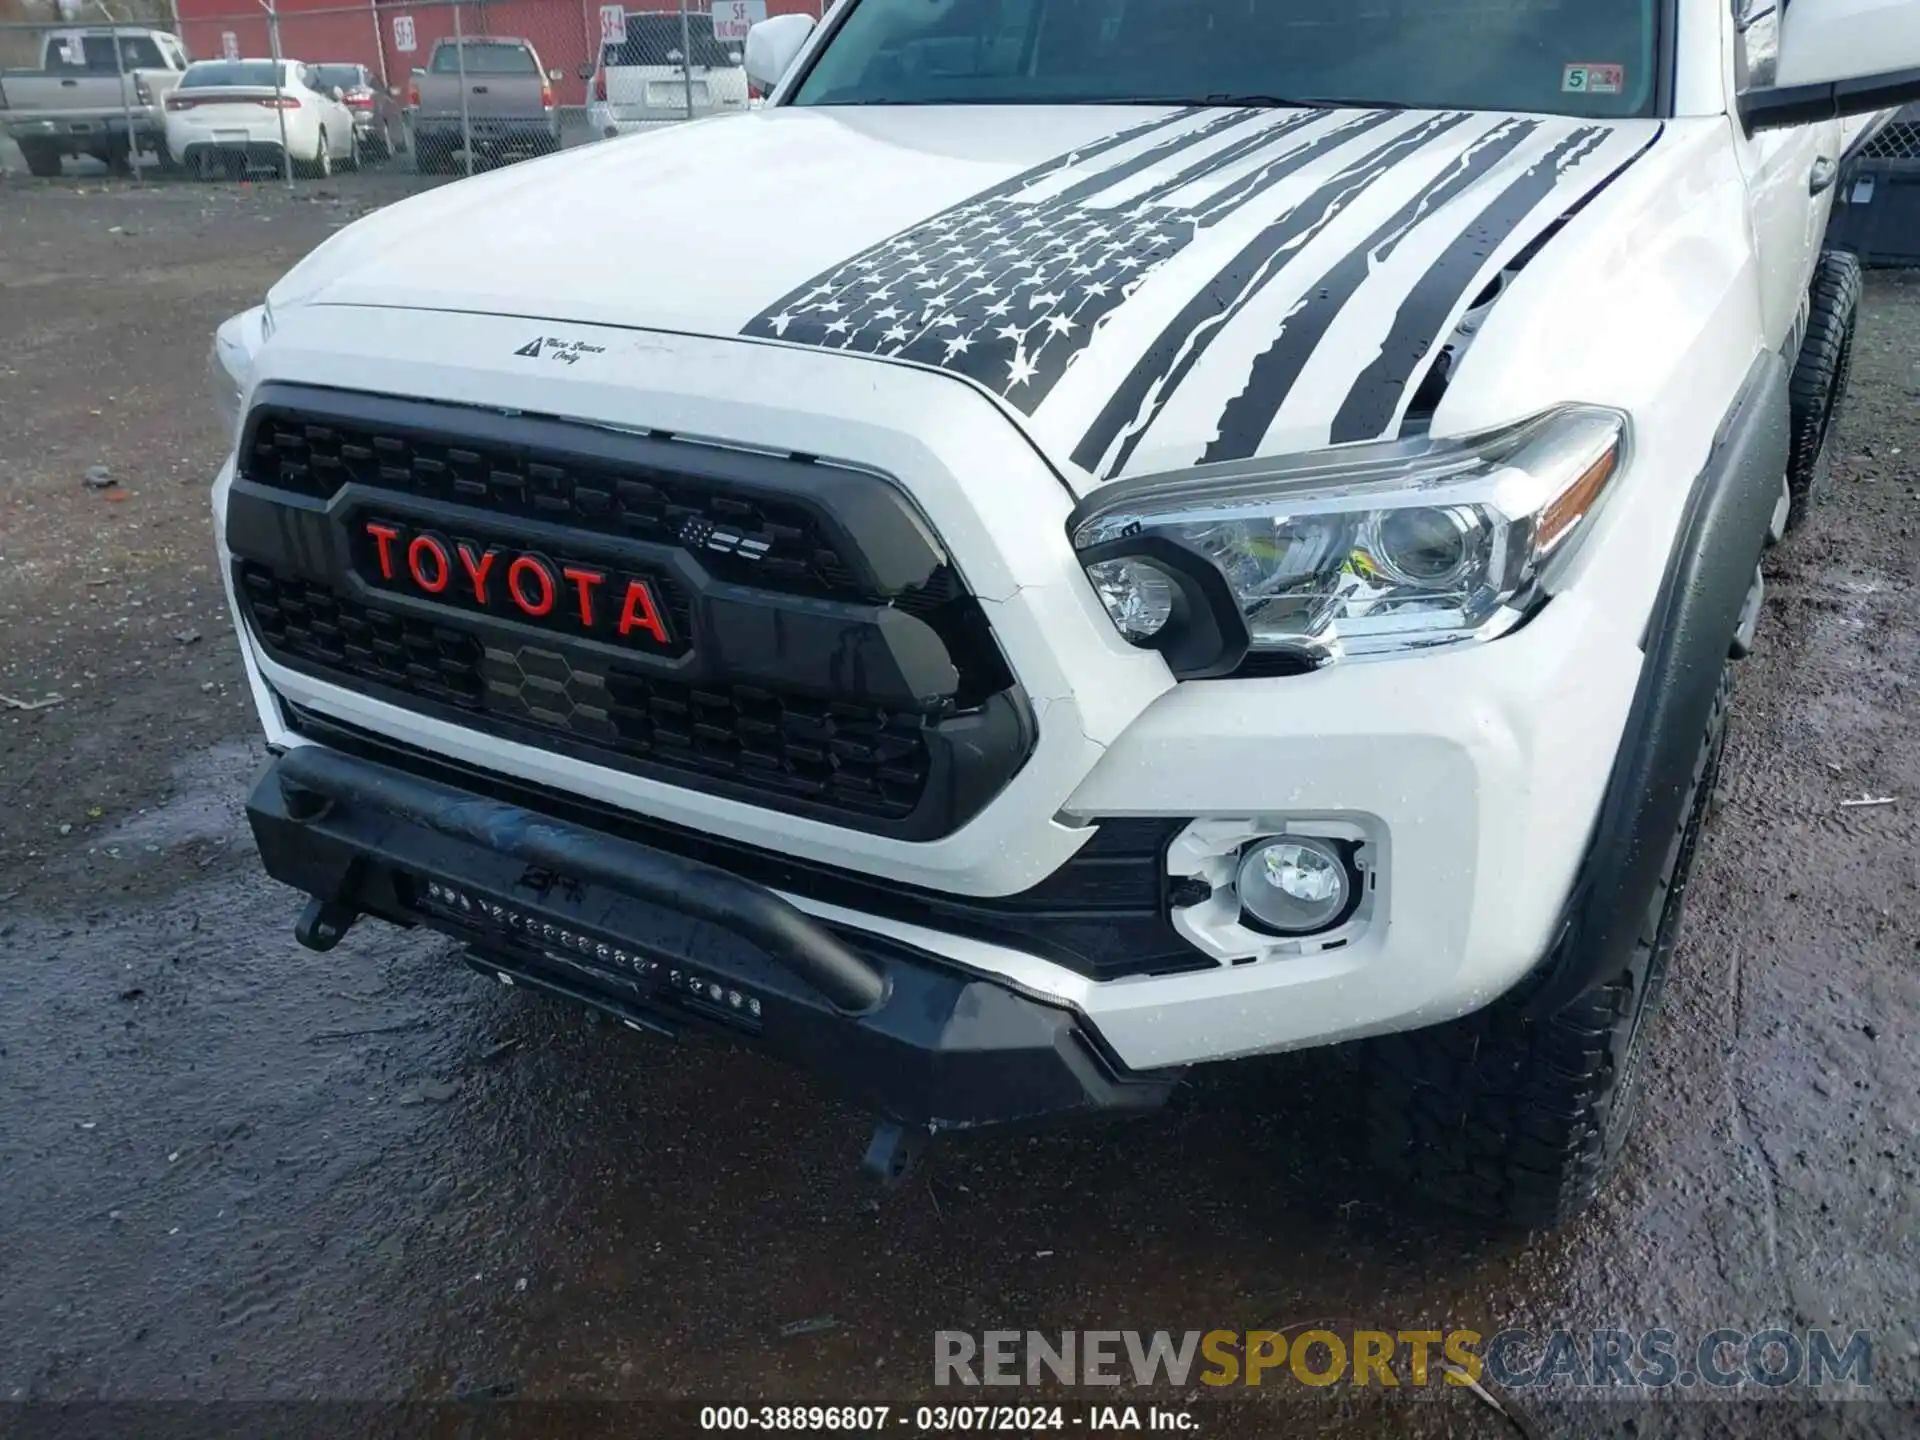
[
  {"x": 1818, "y": 389},
  {"x": 1519, "y": 1119}
]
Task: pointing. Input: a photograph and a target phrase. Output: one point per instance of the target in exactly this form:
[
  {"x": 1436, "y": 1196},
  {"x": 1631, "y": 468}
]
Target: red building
[{"x": 565, "y": 32}]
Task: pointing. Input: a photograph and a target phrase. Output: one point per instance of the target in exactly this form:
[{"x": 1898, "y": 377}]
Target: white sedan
[{"x": 230, "y": 116}]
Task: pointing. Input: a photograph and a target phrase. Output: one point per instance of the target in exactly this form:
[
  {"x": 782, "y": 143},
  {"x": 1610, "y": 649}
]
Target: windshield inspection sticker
[
  {"x": 1594, "y": 79},
  {"x": 568, "y": 352}
]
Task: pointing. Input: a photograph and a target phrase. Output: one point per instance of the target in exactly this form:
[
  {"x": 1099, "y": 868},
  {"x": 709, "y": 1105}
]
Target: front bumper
[
  {"x": 667, "y": 944},
  {"x": 1478, "y": 770},
  {"x": 80, "y": 131},
  {"x": 488, "y": 137}
]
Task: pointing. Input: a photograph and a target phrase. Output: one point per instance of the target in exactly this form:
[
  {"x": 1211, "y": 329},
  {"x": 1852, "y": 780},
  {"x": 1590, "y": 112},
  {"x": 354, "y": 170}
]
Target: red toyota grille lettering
[{"x": 499, "y": 580}]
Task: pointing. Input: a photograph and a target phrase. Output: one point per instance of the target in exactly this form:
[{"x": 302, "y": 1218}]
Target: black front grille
[
  {"x": 738, "y": 533},
  {"x": 855, "y": 758},
  {"x": 301, "y": 621},
  {"x": 819, "y": 652}
]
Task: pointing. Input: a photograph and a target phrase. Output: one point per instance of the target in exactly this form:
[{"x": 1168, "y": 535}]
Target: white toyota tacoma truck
[{"x": 1083, "y": 540}]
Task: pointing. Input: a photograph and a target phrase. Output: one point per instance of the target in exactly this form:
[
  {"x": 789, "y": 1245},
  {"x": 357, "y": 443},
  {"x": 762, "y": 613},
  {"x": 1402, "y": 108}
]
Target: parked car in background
[
  {"x": 659, "y": 76},
  {"x": 508, "y": 110},
  {"x": 379, "y": 122},
  {"x": 86, "y": 98},
  {"x": 229, "y": 117}
]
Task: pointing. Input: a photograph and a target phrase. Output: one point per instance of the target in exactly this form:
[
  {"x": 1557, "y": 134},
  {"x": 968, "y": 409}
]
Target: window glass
[
  {"x": 485, "y": 57},
  {"x": 344, "y": 77},
  {"x": 229, "y": 74},
  {"x": 651, "y": 39},
  {"x": 93, "y": 54},
  {"x": 1576, "y": 57}
]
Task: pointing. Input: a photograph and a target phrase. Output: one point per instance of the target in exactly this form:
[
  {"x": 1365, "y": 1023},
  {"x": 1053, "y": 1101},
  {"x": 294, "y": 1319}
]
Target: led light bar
[{"x": 723, "y": 994}]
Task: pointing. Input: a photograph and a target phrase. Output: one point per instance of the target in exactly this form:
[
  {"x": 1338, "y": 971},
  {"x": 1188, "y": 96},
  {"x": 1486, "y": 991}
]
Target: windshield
[
  {"x": 225, "y": 74},
  {"x": 655, "y": 40},
  {"x": 485, "y": 58},
  {"x": 1571, "y": 57},
  {"x": 337, "y": 77}
]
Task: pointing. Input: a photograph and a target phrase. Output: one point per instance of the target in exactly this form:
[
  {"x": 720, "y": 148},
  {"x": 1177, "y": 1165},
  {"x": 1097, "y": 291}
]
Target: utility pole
[
  {"x": 686, "y": 55},
  {"x": 279, "y": 100}
]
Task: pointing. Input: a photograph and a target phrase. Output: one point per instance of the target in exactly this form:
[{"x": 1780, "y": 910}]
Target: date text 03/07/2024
[{"x": 948, "y": 1419}]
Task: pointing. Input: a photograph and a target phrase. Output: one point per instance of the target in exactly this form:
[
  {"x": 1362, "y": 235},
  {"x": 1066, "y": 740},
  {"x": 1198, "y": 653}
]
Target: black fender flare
[{"x": 1709, "y": 572}]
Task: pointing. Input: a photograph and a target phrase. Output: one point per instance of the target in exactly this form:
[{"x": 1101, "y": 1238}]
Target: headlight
[
  {"x": 1364, "y": 550},
  {"x": 230, "y": 365}
]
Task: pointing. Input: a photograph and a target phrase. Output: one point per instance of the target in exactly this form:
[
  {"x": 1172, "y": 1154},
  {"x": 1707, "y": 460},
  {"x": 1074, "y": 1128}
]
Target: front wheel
[{"x": 1519, "y": 1118}]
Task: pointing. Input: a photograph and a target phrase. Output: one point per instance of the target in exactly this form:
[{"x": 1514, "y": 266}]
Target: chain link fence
[{"x": 437, "y": 87}]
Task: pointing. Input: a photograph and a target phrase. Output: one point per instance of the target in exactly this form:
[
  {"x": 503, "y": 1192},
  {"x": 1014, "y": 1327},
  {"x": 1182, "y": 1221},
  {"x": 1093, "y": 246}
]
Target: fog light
[
  {"x": 1138, "y": 596},
  {"x": 1293, "y": 885}
]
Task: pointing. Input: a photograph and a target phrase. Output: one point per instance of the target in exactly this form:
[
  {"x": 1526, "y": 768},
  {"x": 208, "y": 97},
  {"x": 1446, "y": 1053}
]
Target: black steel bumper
[{"x": 667, "y": 943}]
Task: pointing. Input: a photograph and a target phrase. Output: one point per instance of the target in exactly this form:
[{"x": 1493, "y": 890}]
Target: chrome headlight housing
[
  {"x": 1360, "y": 551},
  {"x": 230, "y": 365}
]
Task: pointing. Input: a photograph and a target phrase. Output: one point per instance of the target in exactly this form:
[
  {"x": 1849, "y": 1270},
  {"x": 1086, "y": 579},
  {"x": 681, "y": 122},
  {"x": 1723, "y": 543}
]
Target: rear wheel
[
  {"x": 42, "y": 159},
  {"x": 1820, "y": 378},
  {"x": 1520, "y": 1118},
  {"x": 321, "y": 166}
]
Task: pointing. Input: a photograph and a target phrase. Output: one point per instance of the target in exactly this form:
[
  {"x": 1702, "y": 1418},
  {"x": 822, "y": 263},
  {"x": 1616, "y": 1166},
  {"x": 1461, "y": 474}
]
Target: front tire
[
  {"x": 1517, "y": 1118},
  {"x": 1820, "y": 377}
]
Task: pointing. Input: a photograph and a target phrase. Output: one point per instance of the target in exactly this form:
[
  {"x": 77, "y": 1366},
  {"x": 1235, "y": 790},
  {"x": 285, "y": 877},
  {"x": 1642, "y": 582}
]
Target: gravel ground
[{"x": 236, "y": 1169}]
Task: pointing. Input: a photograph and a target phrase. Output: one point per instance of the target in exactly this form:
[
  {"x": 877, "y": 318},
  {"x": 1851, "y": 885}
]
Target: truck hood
[{"x": 1137, "y": 287}]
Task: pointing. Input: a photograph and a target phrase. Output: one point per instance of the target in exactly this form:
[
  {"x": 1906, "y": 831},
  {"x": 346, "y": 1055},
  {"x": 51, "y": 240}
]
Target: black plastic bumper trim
[
  {"x": 853, "y": 985},
  {"x": 943, "y": 1049},
  {"x": 1687, "y": 638},
  {"x": 1093, "y": 916}
]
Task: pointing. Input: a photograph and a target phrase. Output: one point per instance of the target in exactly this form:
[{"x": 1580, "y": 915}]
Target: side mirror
[
  {"x": 587, "y": 71},
  {"x": 1837, "y": 58},
  {"x": 337, "y": 93},
  {"x": 556, "y": 75},
  {"x": 773, "y": 45}
]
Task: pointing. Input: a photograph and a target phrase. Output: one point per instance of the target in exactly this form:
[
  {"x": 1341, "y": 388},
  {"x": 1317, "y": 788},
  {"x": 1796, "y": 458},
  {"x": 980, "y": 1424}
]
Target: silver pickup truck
[
  {"x": 487, "y": 96},
  {"x": 86, "y": 99}
]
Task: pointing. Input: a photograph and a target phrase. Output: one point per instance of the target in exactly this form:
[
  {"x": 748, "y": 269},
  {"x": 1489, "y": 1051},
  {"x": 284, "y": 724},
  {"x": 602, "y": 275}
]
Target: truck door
[{"x": 1791, "y": 175}]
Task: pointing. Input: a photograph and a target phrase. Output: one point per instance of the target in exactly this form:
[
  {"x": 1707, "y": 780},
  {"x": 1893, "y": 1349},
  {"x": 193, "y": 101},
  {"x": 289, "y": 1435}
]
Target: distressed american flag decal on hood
[{"x": 1168, "y": 291}]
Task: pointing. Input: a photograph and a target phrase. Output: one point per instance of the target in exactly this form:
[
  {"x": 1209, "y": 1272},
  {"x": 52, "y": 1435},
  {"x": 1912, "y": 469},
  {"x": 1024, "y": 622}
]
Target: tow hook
[
  {"x": 323, "y": 924},
  {"x": 892, "y": 1152}
]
